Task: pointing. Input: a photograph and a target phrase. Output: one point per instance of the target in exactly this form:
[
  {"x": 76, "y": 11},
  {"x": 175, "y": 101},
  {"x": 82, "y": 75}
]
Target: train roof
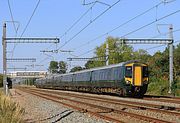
[{"x": 101, "y": 68}]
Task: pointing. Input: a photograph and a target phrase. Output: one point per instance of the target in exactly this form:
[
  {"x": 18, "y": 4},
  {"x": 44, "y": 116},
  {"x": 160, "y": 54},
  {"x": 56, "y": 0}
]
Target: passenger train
[{"x": 125, "y": 79}]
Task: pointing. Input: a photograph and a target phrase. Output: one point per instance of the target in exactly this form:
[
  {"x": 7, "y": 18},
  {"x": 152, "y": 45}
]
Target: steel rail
[
  {"x": 138, "y": 104},
  {"x": 140, "y": 117},
  {"x": 171, "y": 100},
  {"x": 154, "y": 109}
]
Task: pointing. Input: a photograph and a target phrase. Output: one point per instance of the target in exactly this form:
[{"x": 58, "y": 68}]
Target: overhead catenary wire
[
  {"x": 86, "y": 12},
  {"x": 84, "y": 27},
  {"x": 177, "y": 30},
  {"x": 86, "y": 52},
  {"x": 30, "y": 18},
  {"x": 146, "y": 25},
  {"x": 110, "y": 30},
  {"x": 27, "y": 23},
  {"x": 89, "y": 24},
  {"x": 12, "y": 17},
  {"x": 121, "y": 25},
  {"x": 151, "y": 23},
  {"x": 76, "y": 22}
]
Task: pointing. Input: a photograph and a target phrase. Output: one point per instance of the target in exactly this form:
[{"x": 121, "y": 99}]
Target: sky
[{"x": 54, "y": 18}]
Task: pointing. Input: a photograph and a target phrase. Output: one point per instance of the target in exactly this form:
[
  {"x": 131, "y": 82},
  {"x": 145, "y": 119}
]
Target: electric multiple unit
[{"x": 127, "y": 78}]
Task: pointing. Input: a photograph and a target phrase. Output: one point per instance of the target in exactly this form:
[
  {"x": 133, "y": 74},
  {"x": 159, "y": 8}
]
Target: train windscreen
[
  {"x": 145, "y": 71},
  {"x": 128, "y": 72}
]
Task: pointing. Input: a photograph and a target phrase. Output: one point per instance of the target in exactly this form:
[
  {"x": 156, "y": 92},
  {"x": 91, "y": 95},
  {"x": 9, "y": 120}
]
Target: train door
[{"x": 137, "y": 75}]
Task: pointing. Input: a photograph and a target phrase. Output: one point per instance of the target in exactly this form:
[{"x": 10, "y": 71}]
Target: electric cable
[
  {"x": 112, "y": 30},
  {"x": 177, "y": 30},
  {"x": 146, "y": 25},
  {"x": 12, "y": 18},
  {"x": 89, "y": 24},
  {"x": 30, "y": 18},
  {"x": 76, "y": 21}
]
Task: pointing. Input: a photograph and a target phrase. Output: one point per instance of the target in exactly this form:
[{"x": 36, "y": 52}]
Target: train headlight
[{"x": 128, "y": 82}]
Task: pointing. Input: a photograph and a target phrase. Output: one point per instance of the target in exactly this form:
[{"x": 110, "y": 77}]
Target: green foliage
[
  {"x": 62, "y": 67},
  {"x": 177, "y": 62},
  {"x": 89, "y": 64},
  {"x": 58, "y": 67},
  {"x": 117, "y": 53},
  {"x": 141, "y": 55},
  {"x": 77, "y": 68},
  {"x": 53, "y": 67},
  {"x": 158, "y": 86},
  {"x": 159, "y": 73}
]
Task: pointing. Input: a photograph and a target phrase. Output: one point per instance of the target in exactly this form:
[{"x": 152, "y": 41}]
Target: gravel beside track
[
  {"x": 39, "y": 110},
  {"x": 167, "y": 118}
]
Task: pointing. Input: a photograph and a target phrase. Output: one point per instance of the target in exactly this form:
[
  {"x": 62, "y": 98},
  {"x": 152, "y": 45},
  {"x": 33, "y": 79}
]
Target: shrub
[{"x": 158, "y": 86}]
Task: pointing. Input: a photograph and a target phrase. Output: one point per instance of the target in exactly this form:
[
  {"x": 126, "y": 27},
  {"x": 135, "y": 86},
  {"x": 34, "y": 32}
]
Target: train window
[
  {"x": 128, "y": 72},
  {"x": 145, "y": 71}
]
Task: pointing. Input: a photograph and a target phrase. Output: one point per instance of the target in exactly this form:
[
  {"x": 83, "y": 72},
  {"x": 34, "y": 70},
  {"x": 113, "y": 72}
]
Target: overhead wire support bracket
[
  {"x": 21, "y": 59},
  {"x": 34, "y": 65},
  {"x": 31, "y": 40},
  {"x": 56, "y": 51},
  {"x": 86, "y": 59},
  {"x": 145, "y": 41},
  {"x": 17, "y": 68}
]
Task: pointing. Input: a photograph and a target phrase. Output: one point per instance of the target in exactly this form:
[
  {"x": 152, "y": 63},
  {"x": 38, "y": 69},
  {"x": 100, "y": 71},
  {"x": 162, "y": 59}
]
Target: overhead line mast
[{"x": 6, "y": 40}]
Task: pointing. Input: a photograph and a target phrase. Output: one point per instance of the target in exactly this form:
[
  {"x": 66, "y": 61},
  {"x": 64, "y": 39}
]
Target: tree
[
  {"x": 53, "y": 67},
  {"x": 89, "y": 64},
  {"x": 141, "y": 55},
  {"x": 177, "y": 62},
  {"x": 62, "y": 67},
  {"x": 117, "y": 53},
  {"x": 77, "y": 68}
]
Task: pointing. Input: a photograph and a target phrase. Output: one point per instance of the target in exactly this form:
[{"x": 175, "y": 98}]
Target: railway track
[
  {"x": 102, "y": 111},
  {"x": 163, "y": 99},
  {"x": 137, "y": 105}
]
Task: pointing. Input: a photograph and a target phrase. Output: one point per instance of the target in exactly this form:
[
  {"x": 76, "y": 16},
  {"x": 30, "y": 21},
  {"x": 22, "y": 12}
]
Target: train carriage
[{"x": 127, "y": 78}]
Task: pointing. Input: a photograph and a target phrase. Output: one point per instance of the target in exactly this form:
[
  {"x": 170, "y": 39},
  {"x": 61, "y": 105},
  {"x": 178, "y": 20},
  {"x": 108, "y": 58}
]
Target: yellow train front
[{"x": 136, "y": 78}]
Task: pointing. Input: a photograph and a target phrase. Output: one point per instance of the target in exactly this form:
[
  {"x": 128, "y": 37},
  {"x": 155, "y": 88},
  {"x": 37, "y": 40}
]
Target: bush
[
  {"x": 176, "y": 87},
  {"x": 158, "y": 86},
  {"x": 10, "y": 112}
]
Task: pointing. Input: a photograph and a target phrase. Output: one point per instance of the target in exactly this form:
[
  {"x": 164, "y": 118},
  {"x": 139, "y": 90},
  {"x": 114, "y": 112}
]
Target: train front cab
[{"x": 136, "y": 78}]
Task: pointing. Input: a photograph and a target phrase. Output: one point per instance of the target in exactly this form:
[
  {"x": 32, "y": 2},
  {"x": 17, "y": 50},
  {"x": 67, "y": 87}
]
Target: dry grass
[{"x": 10, "y": 112}]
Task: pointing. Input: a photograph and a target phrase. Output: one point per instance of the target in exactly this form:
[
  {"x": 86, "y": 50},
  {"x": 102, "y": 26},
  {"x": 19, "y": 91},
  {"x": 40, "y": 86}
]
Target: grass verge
[{"x": 10, "y": 112}]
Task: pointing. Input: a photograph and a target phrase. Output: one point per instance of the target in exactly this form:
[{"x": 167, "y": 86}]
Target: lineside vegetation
[{"x": 10, "y": 112}]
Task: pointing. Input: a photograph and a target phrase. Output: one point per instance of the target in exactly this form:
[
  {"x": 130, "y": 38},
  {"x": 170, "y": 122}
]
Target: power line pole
[
  {"x": 4, "y": 60},
  {"x": 6, "y": 40},
  {"x": 107, "y": 54},
  {"x": 170, "y": 59}
]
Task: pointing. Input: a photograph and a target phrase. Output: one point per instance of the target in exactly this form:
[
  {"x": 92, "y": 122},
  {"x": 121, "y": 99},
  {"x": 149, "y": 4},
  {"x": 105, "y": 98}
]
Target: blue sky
[{"x": 53, "y": 17}]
